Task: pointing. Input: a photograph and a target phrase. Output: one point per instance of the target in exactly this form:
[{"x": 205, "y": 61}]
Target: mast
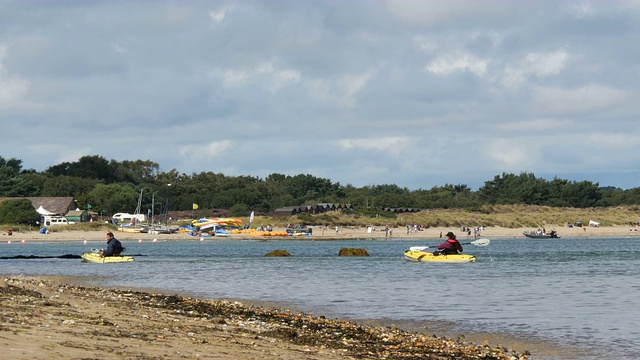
[{"x": 137, "y": 212}]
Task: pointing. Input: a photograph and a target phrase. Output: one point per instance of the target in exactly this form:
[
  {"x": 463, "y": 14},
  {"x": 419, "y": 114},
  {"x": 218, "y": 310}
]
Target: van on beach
[{"x": 123, "y": 218}]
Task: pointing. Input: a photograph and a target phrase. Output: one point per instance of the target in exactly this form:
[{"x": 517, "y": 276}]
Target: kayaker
[
  {"x": 114, "y": 246},
  {"x": 451, "y": 246}
]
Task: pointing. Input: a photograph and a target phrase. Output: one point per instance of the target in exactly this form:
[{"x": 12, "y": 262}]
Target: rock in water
[
  {"x": 353, "y": 252},
  {"x": 278, "y": 253}
]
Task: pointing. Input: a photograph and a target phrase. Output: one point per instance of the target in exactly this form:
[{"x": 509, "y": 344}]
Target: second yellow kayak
[{"x": 430, "y": 257}]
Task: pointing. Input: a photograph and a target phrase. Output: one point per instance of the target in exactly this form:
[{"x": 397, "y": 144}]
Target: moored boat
[
  {"x": 541, "y": 235},
  {"x": 131, "y": 230}
]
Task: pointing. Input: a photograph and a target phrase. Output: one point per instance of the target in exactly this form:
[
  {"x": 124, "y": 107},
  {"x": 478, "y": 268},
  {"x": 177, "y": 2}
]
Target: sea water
[{"x": 578, "y": 293}]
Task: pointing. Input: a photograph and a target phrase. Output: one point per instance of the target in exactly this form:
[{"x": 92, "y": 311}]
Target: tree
[
  {"x": 11, "y": 184},
  {"x": 88, "y": 167},
  {"x": 72, "y": 186},
  {"x": 18, "y": 211},
  {"x": 34, "y": 183},
  {"x": 135, "y": 172},
  {"x": 113, "y": 198},
  {"x": 239, "y": 210}
]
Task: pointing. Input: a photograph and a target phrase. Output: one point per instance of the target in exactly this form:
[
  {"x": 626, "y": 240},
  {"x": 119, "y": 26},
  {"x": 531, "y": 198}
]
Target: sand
[
  {"x": 320, "y": 233},
  {"x": 45, "y": 318}
]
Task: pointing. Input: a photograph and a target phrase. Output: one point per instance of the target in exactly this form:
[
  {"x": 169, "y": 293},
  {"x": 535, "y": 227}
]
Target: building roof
[{"x": 56, "y": 205}]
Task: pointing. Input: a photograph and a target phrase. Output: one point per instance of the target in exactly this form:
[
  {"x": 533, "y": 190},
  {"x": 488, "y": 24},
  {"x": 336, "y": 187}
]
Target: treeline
[{"x": 108, "y": 186}]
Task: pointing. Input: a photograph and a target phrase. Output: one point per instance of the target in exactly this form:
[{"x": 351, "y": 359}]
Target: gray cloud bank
[{"x": 417, "y": 94}]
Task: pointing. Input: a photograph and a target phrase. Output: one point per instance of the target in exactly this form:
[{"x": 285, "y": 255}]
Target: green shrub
[
  {"x": 18, "y": 211},
  {"x": 239, "y": 210}
]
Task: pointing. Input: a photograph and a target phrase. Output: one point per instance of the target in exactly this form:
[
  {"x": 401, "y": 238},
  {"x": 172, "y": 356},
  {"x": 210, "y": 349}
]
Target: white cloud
[
  {"x": 265, "y": 75},
  {"x": 458, "y": 61},
  {"x": 582, "y": 9},
  {"x": 537, "y": 125},
  {"x": 391, "y": 144},
  {"x": 513, "y": 154},
  {"x": 350, "y": 85},
  {"x": 281, "y": 78},
  {"x": 217, "y": 16},
  {"x": 627, "y": 141},
  {"x": 534, "y": 64},
  {"x": 579, "y": 100},
  {"x": 207, "y": 151},
  {"x": 431, "y": 13},
  {"x": 235, "y": 78},
  {"x": 13, "y": 89}
]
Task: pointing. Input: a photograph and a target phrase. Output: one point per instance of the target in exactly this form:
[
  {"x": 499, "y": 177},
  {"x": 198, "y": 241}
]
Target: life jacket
[{"x": 453, "y": 249}]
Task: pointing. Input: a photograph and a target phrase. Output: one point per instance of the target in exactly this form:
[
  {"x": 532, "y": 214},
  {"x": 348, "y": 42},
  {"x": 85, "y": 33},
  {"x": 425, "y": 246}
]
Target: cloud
[
  {"x": 538, "y": 65},
  {"x": 449, "y": 63},
  {"x": 13, "y": 89},
  {"x": 433, "y": 13},
  {"x": 391, "y": 144},
  {"x": 575, "y": 101},
  {"x": 416, "y": 93},
  {"x": 217, "y": 16},
  {"x": 514, "y": 154},
  {"x": 537, "y": 125},
  {"x": 206, "y": 151}
]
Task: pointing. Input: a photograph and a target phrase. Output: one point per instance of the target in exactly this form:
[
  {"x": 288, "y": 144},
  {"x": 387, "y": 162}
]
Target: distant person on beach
[
  {"x": 114, "y": 246},
  {"x": 451, "y": 246}
]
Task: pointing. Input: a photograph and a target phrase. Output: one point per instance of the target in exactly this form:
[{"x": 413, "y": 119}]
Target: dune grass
[
  {"x": 508, "y": 216},
  {"x": 85, "y": 226}
]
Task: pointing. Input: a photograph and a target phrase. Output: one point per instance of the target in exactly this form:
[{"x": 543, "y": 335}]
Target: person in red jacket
[{"x": 451, "y": 246}]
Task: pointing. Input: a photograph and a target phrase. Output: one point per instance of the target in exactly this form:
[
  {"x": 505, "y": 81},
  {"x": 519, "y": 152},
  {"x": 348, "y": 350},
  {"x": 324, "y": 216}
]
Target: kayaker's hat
[{"x": 451, "y": 235}]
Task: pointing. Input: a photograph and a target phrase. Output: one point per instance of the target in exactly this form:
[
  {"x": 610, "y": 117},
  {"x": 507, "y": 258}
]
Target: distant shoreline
[{"x": 330, "y": 234}]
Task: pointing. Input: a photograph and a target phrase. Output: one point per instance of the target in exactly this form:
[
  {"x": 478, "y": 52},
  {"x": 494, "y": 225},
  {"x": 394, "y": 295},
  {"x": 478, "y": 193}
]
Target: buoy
[
  {"x": 201, "y": 238},
  {"x": 9, "y": 242},
  {"x": 85, "y": 242},
  {"x": 23, "y": 241},
  {"x": 140, "y": 241},
  {"x": 155, "y": 240}
]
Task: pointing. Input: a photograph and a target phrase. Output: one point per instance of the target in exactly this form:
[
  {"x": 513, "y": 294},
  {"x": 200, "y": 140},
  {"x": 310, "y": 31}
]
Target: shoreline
[
  {"x": 53, "y": 317},
  {"x": 328, "y": 234}
]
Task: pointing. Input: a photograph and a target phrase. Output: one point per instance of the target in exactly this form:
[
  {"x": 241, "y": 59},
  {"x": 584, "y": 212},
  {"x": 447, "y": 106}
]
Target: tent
[{"x": 43, "y": 211}]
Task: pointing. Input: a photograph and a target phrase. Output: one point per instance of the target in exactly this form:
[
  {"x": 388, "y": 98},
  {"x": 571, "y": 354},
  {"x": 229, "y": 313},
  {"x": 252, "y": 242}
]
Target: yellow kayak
[
  {"x": 96, "y": 258},
  {"x": 429, "y": 257}
]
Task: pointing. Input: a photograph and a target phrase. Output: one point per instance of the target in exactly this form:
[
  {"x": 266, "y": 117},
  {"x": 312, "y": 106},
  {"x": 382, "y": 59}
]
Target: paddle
[{"x": 479, "y": 242}]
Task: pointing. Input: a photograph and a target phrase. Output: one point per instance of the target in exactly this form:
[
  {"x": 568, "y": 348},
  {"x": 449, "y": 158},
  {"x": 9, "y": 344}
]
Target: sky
[{"x": 419, "y": 94}]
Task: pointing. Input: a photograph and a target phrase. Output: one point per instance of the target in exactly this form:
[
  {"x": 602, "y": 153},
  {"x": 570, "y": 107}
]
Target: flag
[
  {"x": 251, "y": 218},
  {"x": 195, "y": 206}
]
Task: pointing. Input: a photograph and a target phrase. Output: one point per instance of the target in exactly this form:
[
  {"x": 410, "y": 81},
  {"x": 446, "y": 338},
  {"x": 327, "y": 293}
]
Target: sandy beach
[
  {"x": 320, "y": 233},
  {"x": 48, "y": 318}
]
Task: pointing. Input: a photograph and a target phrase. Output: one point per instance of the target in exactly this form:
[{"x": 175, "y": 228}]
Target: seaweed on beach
[
  {"x": 365, "y": 342},
  {"x": 11, "y": 290}
]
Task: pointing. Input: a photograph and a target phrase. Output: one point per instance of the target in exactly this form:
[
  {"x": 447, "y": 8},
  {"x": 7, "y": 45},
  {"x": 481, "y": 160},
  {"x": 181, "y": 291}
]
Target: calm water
[{"x": 582, "y": 298}]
